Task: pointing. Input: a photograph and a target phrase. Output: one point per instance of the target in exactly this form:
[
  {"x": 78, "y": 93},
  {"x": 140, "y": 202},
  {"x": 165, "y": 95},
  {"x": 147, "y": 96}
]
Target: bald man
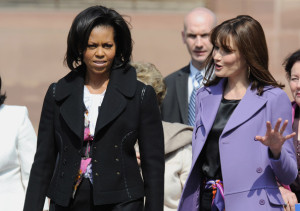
[{"x": 195, "y": 35}]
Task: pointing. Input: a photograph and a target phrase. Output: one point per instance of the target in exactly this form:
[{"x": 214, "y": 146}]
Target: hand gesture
[
  {"x": 274, "y": 138},
  {"x": 289, "y": 199}
]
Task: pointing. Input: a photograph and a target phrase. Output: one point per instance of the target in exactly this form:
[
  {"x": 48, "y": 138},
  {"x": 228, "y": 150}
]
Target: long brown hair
[{"x": 249, "y": 37}]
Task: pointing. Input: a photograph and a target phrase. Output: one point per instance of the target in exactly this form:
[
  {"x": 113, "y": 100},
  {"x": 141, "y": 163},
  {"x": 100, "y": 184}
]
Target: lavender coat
[{"x": 248, "y": 170}]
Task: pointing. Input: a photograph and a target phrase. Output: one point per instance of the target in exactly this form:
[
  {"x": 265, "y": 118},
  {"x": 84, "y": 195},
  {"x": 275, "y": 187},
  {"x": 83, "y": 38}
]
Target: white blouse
[{"x": 92, "y": 103}]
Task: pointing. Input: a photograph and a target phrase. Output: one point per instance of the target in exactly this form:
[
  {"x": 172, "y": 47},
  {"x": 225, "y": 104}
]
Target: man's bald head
[
  {"x": 203, "y": 13},
  {"x": 198, "y": 24}
]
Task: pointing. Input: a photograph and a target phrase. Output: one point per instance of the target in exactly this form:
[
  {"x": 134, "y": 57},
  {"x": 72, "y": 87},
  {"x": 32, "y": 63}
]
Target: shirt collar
[{"x": 194, "y": 70}]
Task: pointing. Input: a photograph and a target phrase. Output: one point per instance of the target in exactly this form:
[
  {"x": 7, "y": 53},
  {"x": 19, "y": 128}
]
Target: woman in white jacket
[{"x": 18, "y": 146}]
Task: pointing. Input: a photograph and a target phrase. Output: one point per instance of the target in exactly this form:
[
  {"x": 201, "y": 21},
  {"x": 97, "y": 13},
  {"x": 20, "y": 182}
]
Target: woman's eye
[
  {"x": 91, "y": 46},
  {"x": 294, "y": 79},
  {"x": 107, "y": 45}
]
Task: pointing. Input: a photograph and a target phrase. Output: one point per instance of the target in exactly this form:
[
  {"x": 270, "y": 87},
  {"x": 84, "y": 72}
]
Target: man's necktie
[{"x": 192, "y": 103}]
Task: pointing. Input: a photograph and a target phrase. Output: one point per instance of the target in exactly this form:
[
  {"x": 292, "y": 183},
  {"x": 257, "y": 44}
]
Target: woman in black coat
[{"x": 90, "y": 121}]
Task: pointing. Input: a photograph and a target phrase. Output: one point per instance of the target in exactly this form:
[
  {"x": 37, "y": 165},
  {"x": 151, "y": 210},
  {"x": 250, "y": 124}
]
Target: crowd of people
[{"x": 217, "y": 134}]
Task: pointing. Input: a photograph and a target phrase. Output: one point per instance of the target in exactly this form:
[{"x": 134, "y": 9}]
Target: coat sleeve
[
  {"x": 45, "y": 157},
  {"x": 186, "y": 163},
  {"x": 151, "y": 145},
  {"x": 26, "y": 145},
  {"x": 285, "y": 168}
]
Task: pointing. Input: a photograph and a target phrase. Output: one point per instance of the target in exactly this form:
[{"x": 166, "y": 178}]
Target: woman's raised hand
[{"x": 274, "y": 138}]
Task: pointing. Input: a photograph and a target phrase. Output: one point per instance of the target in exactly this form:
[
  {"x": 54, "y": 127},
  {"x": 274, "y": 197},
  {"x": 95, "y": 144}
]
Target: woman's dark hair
[
  {"x": 81, "y": 29},
  {"x": 2, "y": 96},
  {"x": 248, "y": 35},
  {"x": 290, "y": 61}
]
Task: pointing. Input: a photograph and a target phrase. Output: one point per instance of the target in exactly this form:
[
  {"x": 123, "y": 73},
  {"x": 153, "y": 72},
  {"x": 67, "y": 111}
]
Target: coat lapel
[
  {"x": 211, "y": 103},
  {"x": 209, "y": 107},
  {"x": 248, "y": 106},
  {"x": 182, "y": 92},
  {"x": 69, "y": 92},
  {"x": 113, "y": 104},
  {"x": 122, "y": 85}
]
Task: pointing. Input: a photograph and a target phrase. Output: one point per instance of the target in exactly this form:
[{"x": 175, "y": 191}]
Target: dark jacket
[
  {"x": 175, "y": 105},
  {"x": 129, "y": 112}
]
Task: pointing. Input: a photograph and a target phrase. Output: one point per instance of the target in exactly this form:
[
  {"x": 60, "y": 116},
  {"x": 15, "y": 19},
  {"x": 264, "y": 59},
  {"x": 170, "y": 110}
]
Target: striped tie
[{"x": 192, "y": 103}]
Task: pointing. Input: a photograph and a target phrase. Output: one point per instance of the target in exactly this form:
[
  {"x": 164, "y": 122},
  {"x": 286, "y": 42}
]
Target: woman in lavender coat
[{"x": 242, "y": 140}]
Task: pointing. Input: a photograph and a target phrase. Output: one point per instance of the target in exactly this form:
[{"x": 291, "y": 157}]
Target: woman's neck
[
  {"x": 235, "y": 90},
  {"x": 96, "y": 84}
]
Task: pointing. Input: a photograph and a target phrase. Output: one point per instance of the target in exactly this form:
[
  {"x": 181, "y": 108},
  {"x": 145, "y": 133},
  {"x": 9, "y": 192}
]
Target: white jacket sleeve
[{"x": 26, "y": 147}]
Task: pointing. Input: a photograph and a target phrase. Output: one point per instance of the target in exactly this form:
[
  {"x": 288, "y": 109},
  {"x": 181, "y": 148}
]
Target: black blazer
[
  {"x": 175, "y": 105},
  {"x": 129, "y": 112}
]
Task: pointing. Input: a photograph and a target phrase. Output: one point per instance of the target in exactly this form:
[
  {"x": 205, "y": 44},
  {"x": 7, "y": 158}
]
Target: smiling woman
[
  {"x": 90, "y": 122},
  {"x": 292, "y": 69}
]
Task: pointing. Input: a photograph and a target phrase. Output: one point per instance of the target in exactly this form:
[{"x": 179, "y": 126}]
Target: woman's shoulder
[
  {"x": 14, "y": 109},
  {"x": 271, "y": 91},
  {"x": 275, "y": 95},
  {"x": 13, "y": 113},
  {"x": 176, "y": 135}
]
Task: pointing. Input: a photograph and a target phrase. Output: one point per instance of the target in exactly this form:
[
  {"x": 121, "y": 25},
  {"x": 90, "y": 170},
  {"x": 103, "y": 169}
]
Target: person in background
[
  {"x": 18, "y": 145},
  {"x": 90, "y": 122},
  {"x": 292, "y": 69},
  {"x": 242, "y": 140},
  {"x": 179, "y": 103},
  {"x": 178, "y": 138}
]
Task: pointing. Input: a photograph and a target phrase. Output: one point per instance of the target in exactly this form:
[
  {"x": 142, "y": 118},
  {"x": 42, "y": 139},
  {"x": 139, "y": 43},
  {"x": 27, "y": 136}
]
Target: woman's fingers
[
  {"x": 275, "y": 136},
  {"x": 289, "y": 199},
  {"x": 282, "y": 129},
  {"x": 290, "y": 136},
  {"x": 259, "y": 138},
  {"x": 269, "y": 128},
  {"x": 277, "y": 125}
]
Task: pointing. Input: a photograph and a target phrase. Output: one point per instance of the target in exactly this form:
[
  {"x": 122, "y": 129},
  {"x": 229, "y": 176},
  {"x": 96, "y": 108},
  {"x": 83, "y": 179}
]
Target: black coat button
[{"x": 62, "y": 174}]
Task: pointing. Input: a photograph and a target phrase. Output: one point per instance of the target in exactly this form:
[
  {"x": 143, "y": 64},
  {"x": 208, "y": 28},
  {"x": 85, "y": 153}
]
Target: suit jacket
[
  {"x": 129, "y": 112},
  {"x": 18, "y": 141},
  {"x": 174, "y": 107},
  {"x": 248, "y": 169}
]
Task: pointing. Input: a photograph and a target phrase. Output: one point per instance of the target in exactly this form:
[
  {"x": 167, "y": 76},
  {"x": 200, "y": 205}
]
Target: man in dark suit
[{"x": 197, "y": 26}]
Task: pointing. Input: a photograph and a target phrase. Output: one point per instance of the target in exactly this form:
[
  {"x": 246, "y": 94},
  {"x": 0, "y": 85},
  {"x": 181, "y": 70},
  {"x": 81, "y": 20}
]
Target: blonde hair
[{"x": 150, "y": 75}]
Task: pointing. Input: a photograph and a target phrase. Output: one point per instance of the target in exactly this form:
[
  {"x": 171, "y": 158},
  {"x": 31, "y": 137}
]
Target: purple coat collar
[
  {"x": 248, "y": 106},
  {"x": 210, "y": 99}
]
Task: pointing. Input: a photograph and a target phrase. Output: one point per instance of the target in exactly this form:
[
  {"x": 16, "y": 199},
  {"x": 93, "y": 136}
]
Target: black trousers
[{"x": 83, "y": 201}]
